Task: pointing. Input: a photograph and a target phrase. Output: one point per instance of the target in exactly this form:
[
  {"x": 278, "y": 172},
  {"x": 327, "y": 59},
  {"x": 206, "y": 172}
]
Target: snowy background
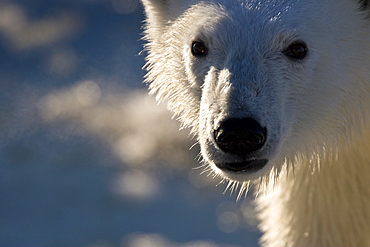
[{"x": 86, "y": 157}]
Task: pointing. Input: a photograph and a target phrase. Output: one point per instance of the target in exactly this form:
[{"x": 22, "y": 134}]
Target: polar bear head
[{"x": 261, "y": 83}]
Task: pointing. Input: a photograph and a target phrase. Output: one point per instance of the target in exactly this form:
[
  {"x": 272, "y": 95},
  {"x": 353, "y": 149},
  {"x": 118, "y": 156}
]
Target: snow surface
[{"x": 86, "y": 157}]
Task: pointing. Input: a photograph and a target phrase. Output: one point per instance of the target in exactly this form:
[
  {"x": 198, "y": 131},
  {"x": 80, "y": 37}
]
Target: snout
[{"x": 242, "y": 138}]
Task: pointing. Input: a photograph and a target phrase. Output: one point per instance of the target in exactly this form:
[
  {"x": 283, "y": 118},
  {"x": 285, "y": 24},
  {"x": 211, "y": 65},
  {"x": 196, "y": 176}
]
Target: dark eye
[
  {"x": 297, "y": 50},
  {"x": 198, "y": 49}
]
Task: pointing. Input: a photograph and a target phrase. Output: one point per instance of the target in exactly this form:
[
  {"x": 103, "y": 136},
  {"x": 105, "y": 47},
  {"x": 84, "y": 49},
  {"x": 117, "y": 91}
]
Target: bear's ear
[
  {"x": 156, "y": 12},
  {"x": 159, "y": 13}
]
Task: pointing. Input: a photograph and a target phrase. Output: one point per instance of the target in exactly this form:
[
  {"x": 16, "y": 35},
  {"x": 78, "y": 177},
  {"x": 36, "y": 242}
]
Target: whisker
[
  {"x": 206, "y": 169},
  {"x": 211, "y": 173},
  {"x": 192, "y": 146},
  {"x": 234, "y": 187},
  {"x": 243, "y": 190},
  {"x": 221, "y": 182},
  {"x": 199, "y": 158},
  {"x": 201, "y": 166},
  {"x": 227, "y": 186}
]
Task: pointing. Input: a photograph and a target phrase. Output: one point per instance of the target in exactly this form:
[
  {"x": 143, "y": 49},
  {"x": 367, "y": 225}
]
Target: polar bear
[{"x": 277, "y": 92}]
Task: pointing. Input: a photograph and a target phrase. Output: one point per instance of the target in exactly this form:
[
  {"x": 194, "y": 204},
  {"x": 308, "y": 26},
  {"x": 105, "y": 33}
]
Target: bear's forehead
[
  {"x": 248, "y": 14},
  {"x": 228, "y": 21},
  {"x": 253, "y": 19},
  {"x": 263, "y": 12}
]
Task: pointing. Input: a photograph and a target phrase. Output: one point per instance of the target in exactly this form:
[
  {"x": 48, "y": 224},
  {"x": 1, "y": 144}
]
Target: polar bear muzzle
[{"x": 241, "y": 137}]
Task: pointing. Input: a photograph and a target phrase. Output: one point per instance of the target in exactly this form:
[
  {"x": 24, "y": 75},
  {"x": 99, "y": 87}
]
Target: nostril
[
  {"x": 227, "y": 140},
  {"x": 255, "y": 138},
  {"x": 240, "y": 136}
]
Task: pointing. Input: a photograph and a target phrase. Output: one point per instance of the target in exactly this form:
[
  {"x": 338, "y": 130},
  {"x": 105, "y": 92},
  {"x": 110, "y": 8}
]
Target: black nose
[{"x": 240, "y": 136}]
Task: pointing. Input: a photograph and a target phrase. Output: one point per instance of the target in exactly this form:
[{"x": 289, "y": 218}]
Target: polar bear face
[{"x": 259, "y": 82}]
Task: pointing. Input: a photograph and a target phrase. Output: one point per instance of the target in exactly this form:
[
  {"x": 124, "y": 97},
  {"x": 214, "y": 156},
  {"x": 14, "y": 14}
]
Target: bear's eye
[
  {"x": 297, "y": 50},
  {"x": 198, "y": 49}
]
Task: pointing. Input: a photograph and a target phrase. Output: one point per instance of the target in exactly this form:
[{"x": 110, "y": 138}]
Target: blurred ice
[
  {"x": 135, "y": 184},
  {"x": 23, "y": 33},
  {"x": 62, "y": 61},
  {"x": 156, "y": 240},
  {"x": 125, "y": 6},
  {"x": 227, "y": 217},
  {"x": 137, "y": 129}
]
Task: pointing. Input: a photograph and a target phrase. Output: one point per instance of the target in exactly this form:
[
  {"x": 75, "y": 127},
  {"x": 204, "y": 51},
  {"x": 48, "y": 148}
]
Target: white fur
[{"x": 317, "y": 181}]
